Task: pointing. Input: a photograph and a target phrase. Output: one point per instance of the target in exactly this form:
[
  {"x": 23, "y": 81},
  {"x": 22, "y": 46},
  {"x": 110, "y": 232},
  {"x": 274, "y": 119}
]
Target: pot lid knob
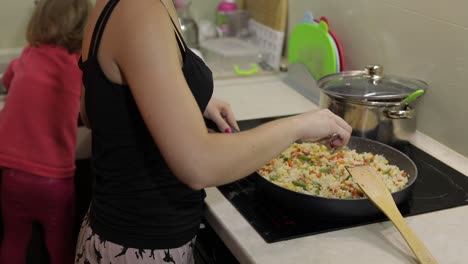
[{"x": 374, "y": 71}]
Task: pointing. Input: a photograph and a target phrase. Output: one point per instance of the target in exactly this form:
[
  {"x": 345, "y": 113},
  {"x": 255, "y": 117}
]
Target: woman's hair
[{"x": 59, "y": 22}]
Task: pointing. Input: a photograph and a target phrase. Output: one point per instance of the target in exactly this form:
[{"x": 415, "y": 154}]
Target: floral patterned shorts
[{"x": 91, "y": 249}]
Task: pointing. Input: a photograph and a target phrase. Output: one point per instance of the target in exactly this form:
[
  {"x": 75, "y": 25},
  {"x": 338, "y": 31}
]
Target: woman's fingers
[
  {"x": 339, "y": 121},
  {"x": 343, "y": 124},
  {"x": 221, "y": 123},
  {"x": 344, "y": 130},
  {"x": 343, "y": 139},
  {"x": 230, "y": 118},
  {"x": 220, "y": 112},
  {"x": 333, "y": 124}
]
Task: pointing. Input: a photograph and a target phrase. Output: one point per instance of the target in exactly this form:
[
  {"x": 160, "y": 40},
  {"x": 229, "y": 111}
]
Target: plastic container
[
  {"x": 224, "y": 54},
  {"x": 207, "y": 30},
  {"x": 226, "y": 8}
]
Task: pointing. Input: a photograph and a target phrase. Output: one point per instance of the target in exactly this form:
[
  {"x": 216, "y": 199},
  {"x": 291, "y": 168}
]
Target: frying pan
[{"x": 342, "y": 208}]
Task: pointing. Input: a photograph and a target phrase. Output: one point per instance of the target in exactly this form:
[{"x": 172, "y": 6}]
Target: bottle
[
  {"x": 206, "y": 30},
  {"x": 226, "y": 8},
  {"x": 187, "y": 23}
]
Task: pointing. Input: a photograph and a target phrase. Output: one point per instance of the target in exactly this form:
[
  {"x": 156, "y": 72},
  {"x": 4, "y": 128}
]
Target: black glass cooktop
[{"x": 437, "y": 187}]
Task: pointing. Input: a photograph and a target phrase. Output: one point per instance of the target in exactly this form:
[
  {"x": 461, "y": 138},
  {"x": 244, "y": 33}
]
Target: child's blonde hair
[{"x": 59, "y": 22}]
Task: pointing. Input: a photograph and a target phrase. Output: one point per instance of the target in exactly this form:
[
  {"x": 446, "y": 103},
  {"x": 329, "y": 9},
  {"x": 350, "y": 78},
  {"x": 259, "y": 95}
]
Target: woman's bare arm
[{"x": 147, "y": 55}]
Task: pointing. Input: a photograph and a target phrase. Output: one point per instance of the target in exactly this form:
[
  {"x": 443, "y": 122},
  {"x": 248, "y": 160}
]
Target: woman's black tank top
[{"x": 137, "y": 201}]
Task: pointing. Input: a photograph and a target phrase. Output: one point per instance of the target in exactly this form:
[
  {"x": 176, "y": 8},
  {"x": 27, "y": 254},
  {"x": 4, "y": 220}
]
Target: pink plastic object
[{"x": 227, "y": 6}]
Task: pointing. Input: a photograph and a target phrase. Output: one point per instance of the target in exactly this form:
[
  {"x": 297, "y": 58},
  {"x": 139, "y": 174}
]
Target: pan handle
[{"x": 406, "y": 113}]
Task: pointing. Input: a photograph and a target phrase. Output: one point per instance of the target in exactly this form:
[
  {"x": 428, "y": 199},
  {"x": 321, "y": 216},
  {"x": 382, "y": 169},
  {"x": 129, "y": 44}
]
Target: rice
[{"x": 311, "y": 168}]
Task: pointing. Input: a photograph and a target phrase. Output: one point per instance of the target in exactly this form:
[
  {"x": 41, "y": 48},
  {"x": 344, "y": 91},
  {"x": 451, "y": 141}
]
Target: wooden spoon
[{"x": 373, "y": 186}]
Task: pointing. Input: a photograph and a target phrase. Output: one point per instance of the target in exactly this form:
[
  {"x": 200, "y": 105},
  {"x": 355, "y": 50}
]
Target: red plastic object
[{"x": 337, "y": 41}]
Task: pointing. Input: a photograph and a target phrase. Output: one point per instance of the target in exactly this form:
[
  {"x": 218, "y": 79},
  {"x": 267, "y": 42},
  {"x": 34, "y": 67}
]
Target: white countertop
[
  {"x": 445, "y": 232},
  {"x": 263, "y": 97}
]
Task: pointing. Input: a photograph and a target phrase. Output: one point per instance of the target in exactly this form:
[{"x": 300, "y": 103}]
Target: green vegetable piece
[
  {"x": 325, "y": 170},
  {"x": 305, "y": 158},
  {"x": 300, "y": 184},
  {"x": 273, "y": 177},
  {"x": 387, "y": 171}
]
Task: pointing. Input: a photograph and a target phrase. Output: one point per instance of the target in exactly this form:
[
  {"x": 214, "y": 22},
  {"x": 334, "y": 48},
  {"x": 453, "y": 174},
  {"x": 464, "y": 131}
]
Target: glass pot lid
[{"x": 369, "y": 85}]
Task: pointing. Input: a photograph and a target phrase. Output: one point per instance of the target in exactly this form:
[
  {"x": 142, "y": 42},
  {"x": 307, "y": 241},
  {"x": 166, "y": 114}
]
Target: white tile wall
[{"x": 451, "y": 11}]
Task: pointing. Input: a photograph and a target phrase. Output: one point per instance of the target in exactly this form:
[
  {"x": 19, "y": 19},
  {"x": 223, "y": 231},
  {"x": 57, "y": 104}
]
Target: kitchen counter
[
  {"x": 262, "y": 97},
  {"x": 445, "y": 232}
]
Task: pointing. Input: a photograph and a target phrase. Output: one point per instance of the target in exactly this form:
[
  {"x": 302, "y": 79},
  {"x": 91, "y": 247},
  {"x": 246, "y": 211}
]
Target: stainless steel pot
[{"x": 372, "y": 103}]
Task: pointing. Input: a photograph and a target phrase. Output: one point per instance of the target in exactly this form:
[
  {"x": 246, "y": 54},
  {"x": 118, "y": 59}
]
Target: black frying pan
[{"x": 362, "y": 207}]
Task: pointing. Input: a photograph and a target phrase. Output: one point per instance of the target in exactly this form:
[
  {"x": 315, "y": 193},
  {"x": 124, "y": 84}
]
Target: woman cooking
[{"x": 146, "y": 94}]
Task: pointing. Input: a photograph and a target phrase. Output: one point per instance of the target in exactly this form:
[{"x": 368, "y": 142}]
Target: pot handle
[{"x": 406, "y": 113}]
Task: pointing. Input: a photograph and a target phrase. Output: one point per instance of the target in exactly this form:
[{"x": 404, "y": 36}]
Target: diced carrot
[
  {"x": 404, "y": 174},
  {"x": 319, "y": 175},
  {"x": 290, "y": 163}
]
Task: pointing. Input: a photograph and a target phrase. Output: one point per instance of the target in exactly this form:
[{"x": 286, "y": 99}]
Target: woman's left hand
[{"x": 220, "y": 112}]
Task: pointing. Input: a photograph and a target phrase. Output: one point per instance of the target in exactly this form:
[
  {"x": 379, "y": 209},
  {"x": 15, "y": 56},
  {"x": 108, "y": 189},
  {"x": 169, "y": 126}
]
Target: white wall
[
  {"x": 424, "y": 39},
  {"x": 204, "y": 9},
  {"x": 14, "y": 16}
]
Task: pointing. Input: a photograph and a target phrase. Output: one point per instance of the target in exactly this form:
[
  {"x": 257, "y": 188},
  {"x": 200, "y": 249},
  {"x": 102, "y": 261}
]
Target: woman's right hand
[{"x": 316, "y": 125}]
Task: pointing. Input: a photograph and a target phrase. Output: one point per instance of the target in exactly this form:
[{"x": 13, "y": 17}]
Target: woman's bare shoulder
[
  {"x": 143, "y": 10},
  {"x": 143, "y": 25}
]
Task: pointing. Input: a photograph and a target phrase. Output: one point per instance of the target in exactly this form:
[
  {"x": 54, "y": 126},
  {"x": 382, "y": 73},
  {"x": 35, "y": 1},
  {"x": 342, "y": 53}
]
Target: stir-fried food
[{"x": 313, "y": 169}]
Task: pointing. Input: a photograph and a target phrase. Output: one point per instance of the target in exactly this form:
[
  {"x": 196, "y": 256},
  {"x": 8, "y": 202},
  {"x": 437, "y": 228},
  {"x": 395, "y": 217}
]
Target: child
[{"x": 38, "y": 130}]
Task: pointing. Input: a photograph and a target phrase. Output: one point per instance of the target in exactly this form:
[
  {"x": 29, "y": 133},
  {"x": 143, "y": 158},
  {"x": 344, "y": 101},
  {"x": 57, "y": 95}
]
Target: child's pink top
[{"x": 39, "y": 122}]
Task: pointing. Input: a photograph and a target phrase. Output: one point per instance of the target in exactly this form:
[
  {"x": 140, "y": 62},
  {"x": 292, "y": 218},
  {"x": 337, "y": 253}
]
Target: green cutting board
[{"x": 310, "y": 45}]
